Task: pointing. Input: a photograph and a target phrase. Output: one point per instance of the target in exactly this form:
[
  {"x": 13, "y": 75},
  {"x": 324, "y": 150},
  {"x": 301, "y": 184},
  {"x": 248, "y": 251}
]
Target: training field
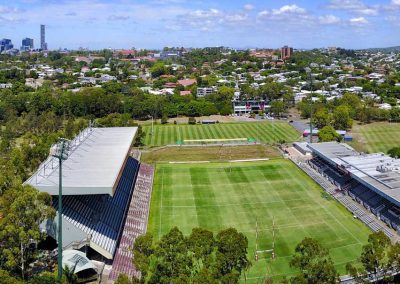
[
  {"x": 221, "y": 195},
  {"x": 266, "y": 132},
  {"x": 376, "y": 137}
]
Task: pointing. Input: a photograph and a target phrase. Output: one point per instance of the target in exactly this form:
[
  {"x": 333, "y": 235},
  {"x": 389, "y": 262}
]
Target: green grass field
[
  {"x": 376, "y": 137},
  {"x": 215, "y": 196},
  {"x": 266, "y": 132}
]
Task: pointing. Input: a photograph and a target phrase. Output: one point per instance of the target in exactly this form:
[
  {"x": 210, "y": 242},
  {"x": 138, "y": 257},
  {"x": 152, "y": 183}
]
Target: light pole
[
  {"x": 308, "y": 71},
  {"x": 60, "y": 151}
]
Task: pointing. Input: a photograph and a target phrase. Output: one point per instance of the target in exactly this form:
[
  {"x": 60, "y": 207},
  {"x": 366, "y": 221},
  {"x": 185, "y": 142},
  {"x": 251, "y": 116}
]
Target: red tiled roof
[
  {"x": 187, "y": 82},
  {"x": 185, "y": 93}
]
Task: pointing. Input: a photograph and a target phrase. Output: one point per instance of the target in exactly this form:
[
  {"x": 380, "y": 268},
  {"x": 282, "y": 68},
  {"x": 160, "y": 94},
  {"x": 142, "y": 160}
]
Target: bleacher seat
[{"x": 102, "y": 216}]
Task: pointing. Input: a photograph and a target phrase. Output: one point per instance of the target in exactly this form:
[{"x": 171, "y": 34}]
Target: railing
[{"x": 51, "y": 163}]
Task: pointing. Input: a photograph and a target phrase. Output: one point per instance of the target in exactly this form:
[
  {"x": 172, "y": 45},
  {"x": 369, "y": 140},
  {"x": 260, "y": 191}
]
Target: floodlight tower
[
  {"x": 60, "y": 151},
  {"x": 308, "y": 71}
]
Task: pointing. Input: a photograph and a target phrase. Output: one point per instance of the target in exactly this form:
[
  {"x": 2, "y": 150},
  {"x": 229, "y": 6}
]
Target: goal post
[{"x": 271, "y": 250}]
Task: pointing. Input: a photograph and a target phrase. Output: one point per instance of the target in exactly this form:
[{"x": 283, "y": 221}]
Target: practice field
[
  {"x": 221, "y": 195},
  {"x": 376, "y": 137},
  {"x": 266, "y": 132}
]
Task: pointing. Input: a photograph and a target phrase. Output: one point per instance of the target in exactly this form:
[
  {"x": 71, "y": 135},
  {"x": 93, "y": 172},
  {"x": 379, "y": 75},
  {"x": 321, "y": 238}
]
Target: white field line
[
  {"x": 161, "y": 200},
  {"x": 249, "y": 160},
  {"x": 190, "y": 162},
  {"x": 236, "y": 204}
]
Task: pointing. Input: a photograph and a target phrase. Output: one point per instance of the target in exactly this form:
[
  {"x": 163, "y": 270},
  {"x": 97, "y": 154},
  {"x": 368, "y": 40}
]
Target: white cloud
[
  {"x": 360, "y": 21},
  {"x": 289, "y": 13},
  {"x": 354, "y": 7},
  {"x": 211, "y": 19},
  {"x": 329, "y": 20},
  {"x": 289, "y": 9},
  {"x": 118, "y": 18},
  {"x": 248, "y": 7},
  {"x": 9, "y": 10},
  {"x": 263, "y": 13},
  {"x": 396, "y": 2}
]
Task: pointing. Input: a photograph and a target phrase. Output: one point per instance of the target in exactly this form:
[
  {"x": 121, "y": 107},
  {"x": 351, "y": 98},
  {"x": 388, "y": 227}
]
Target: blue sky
[{"x": 194, "y": 23}]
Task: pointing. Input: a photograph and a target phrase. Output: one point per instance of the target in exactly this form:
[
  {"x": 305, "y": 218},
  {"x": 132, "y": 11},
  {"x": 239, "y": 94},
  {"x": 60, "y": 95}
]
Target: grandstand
[
  {"x": 371, "y": 180},
  {"x": 103, "y": 195}
]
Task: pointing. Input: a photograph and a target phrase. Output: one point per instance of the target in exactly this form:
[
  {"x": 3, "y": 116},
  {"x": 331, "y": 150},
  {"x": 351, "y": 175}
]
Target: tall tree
[
  {"x": 328, "y": 133},
  {"x": 314, "y": 263},
  {"x": 341, "y": 117},
  {"x": 23, "y": 209},
  {"x": 377, "y": 256}
]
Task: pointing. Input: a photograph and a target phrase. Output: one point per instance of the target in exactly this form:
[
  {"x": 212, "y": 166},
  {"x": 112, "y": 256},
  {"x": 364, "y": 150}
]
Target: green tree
[
  {"x": 6, "y": 278},
  {"x": 341, "y": 118},
  {"x": 394, "y": 152},
  {"x": 314, "y": 263},
  {"x": 321, "y": 118},
  {"x": 328, "y": 133},
  {"x": 142, "y": 250},
  {"x": 123, "y": 279},
  {"x": 278, "y": 107},
  {"x": 373, "y": 254},
  {"x": 198, "y": 258},
  {"x": 231, "y": 251},
  {"x": 377, "y": 256},
  {"x": 44, "y": 278},
  {"x": 23, "y": 209},
  {"x": 69, "y": 276}
]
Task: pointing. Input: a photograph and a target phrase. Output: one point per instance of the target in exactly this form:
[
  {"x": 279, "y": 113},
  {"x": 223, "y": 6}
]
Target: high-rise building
[
  {"x": 6, "y": 44},
  {"x": 27, "y": 44},
  {"x": 43, "y": 44},
  {"x": 286, "y": 52}
]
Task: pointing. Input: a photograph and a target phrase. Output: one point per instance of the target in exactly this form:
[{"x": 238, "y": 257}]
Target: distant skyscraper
[
  {"x": 43, "y": 44},
  {"x": 286, "y": 52},
  {"x": 27, "y": 44},
  {"x": 5, "y": 44}
]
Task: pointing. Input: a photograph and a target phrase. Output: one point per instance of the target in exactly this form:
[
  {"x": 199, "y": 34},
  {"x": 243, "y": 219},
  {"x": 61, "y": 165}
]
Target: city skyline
[{"x": 242, "y": 24}]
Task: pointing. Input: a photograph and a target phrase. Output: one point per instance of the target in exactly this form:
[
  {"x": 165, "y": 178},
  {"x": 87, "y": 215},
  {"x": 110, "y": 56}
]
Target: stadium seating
[
  {"x": 102, "y": 216},
  {"x": 135, "y": 223},
  {"x": 345, "y": 191}
]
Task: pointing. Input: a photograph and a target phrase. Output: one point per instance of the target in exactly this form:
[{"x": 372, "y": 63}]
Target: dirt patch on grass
[{"x": 210, "y": 153}]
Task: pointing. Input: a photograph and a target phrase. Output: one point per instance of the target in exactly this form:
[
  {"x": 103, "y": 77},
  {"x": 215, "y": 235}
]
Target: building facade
[
  {"x": 248, "y": 106},
  {"x": 27, "y": 44},
  {"x": 286, "y": 52},
  {"x": 202, "y": 92},
  {"x": 6, "y": 44},
  {"x": 43, "y": 44}
]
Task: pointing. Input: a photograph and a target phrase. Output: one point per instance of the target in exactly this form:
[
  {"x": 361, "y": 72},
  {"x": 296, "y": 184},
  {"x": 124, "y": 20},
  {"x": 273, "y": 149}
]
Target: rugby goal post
[{"x": 261, "y": 251}]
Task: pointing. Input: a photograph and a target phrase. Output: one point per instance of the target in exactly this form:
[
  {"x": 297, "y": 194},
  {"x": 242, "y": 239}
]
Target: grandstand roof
[
  {"x": 94, "y": 164},
  {"x": 378, "y": 172}
]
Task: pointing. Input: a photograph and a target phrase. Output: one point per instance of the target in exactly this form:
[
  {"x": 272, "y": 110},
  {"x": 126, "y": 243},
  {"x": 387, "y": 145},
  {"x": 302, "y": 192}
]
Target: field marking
[
  {"x": 161, "y": 200},
  {"x": 234, "y": 204},
  {"x": 189, "y": 162}
]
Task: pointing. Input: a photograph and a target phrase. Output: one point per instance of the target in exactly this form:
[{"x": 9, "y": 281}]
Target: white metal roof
[
  {"x": 93, "y": 166},
  {"x": 76, "y": 260},
  {"x": 378, "y": 171}
]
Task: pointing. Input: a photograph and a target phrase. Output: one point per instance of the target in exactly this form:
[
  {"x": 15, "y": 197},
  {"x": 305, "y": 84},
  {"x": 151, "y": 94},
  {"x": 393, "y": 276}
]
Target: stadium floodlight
[
  {"x": 309, "y": 74},
  {"x": 60, "y": 151}
]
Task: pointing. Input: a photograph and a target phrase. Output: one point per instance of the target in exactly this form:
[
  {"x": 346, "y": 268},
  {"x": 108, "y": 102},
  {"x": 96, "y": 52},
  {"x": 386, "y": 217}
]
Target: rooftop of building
[
  {"x": 378, "y": 171},
  {"x": 94, "y": 163}
]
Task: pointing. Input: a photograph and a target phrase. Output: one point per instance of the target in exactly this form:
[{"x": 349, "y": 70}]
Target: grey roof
[
  {"x": 77, "y": 260},
  {"x": 378, "y": 171},
  {"x": 333, "y": 149},
  {"x": 96, "y": 158}
]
